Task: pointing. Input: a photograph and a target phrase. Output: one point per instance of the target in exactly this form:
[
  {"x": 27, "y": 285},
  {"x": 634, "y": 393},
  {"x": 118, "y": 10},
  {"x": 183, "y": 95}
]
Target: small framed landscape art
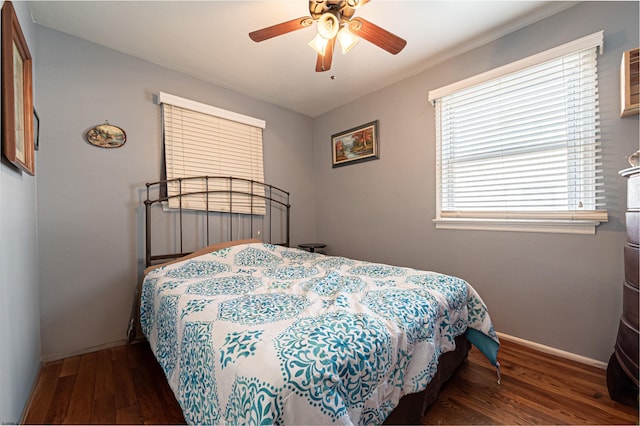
[
  {"x": 106, "y": 136},
  {"x": 17, "y": 94},
  {"x": 355, "y": 145}
]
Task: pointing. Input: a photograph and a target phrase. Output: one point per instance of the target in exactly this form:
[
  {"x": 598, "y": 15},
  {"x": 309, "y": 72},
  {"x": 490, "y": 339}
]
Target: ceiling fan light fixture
[
  {"x": 347, "y": 39},
  {"x": 356, "y": 3},
  {"x": 328, "y": 25},
  {"x": 335, "y": 21},
  {"x": 319, "y": 44}
]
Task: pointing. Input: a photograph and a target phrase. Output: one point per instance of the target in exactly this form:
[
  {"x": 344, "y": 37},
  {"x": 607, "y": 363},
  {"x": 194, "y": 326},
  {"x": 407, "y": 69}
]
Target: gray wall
[
  {"x": 19, "y": 290},
  {"x": 563, "y": 291},
  {"x": 71, "y": 238},
  {"x": 89, "y": 216}
]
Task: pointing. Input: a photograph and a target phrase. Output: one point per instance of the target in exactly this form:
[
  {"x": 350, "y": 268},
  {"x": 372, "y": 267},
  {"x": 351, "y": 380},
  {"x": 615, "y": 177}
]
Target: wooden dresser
[{"x": 622, "y": 371}]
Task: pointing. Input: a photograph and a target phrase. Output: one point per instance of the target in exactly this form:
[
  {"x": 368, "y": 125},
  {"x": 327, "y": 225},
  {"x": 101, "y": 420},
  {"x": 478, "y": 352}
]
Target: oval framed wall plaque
[{"x": 106, "y": 136}]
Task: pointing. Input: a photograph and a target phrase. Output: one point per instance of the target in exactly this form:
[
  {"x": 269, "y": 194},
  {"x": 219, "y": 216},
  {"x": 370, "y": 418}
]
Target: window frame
[
  {"x": 195, "y": 130},
  {"x": 572, "y": 222}
]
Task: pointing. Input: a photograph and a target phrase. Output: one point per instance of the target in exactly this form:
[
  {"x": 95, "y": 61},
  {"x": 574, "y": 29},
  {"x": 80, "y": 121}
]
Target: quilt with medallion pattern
[{"x": 263, "y": 334}]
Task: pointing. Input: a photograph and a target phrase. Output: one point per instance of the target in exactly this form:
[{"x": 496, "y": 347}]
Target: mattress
[{"x": 257, "y": 333}]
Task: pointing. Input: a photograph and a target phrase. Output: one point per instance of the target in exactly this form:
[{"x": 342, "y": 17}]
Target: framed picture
[
  {"x": 17, "y": 94},
  {"x": 106, "y": 136},
  {"x": 355, "y": 145}
]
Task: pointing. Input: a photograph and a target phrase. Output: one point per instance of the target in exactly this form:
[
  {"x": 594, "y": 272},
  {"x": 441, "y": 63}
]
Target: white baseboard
[
  {"x": 50, "y": 358},
  {"x": 553, "y": 351}
]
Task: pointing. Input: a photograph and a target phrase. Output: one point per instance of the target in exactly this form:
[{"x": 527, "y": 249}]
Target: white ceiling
[{"x": 209, "y": 40}]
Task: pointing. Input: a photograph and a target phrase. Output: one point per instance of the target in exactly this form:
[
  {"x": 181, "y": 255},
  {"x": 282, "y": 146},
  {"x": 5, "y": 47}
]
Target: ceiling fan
[{"x": 335, "y": 22}]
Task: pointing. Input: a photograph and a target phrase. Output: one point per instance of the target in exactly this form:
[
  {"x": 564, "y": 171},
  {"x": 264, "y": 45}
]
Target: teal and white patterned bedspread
[{"x": 262, "y": 334}]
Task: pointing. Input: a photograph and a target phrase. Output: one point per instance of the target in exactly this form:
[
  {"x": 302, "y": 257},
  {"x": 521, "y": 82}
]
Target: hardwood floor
[
  {"x": 536, "y": 388},
  {"x": 125, "y": 385},
  {"x": 121, "y": 385}
]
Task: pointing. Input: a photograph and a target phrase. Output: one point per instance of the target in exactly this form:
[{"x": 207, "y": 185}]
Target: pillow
[{"x": 208, "y": 249}]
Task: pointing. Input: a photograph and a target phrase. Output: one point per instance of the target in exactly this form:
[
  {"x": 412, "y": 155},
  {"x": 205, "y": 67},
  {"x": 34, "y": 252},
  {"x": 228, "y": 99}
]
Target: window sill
[{"x": 554, "y": 226}]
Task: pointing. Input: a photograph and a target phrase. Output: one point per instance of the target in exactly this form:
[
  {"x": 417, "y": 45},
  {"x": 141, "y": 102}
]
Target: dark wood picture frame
[
  {"x": 355, "y": 145},
  {"x": 17, "y": 94}
]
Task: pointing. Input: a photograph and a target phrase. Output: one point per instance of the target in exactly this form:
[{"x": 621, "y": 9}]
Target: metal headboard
[{"x": 273, "y": 198}]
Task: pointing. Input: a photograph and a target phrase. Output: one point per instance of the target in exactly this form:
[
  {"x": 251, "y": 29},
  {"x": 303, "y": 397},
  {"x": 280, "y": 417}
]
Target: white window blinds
[
  {"x": 524, "y": 144},
  {"x": 200, "y": 141}
]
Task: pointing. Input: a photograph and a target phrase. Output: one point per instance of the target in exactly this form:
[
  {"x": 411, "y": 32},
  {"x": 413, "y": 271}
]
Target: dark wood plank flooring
[
  {"x": 125, "y": 385},
  {"x": 536, "y": 388}
]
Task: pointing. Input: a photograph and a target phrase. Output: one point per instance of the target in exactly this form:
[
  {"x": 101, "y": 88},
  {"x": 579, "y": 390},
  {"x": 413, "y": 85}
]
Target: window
[
  {"x": 201, "y": 140},
  {"x": 518, "y": 147}
]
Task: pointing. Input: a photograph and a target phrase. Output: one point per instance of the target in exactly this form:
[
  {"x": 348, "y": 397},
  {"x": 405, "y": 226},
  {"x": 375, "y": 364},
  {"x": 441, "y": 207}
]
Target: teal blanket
[{"x": 258, "y": 333}]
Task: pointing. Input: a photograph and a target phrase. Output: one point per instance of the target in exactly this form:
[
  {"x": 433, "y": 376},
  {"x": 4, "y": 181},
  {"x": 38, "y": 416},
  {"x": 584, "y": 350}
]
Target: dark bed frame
[
  {"x": 276, "y": 203},
  {"x": 412, "y": 407}
]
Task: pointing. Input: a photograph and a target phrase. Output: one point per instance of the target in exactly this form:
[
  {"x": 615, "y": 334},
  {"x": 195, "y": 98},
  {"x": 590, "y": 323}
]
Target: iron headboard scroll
[{"x": 270, "y": 196}]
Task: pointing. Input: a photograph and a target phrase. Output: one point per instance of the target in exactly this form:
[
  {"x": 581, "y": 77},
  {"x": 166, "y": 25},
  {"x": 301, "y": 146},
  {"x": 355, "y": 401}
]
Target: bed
[{"x": 255, "y": 332}]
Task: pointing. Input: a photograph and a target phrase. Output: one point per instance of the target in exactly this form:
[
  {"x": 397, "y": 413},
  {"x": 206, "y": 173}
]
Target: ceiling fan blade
[
  {"x": 279, "y": 29},
  {"x": 377, "y": 35},
  {"x": 323, "y": 62}
]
